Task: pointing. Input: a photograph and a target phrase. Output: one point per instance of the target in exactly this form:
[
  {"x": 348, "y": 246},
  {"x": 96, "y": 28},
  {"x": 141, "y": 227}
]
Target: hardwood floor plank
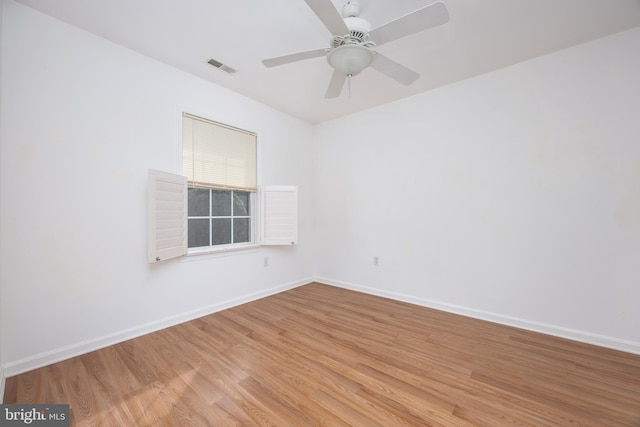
[
  {"x": 147, "y": 406},
  {"x": 325, "y": 356},
  {"x": 349, "y": 413},
  {"x": 11, "y": 390},
  {"x": 133, "y": 355},
  {"x": 233, "y": 414}
]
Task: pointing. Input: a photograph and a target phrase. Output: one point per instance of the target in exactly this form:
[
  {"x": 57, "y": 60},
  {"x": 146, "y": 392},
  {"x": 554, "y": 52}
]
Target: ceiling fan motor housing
[
  {"x": 351, "y": 8},
  {"x": 358, "y": 28}
]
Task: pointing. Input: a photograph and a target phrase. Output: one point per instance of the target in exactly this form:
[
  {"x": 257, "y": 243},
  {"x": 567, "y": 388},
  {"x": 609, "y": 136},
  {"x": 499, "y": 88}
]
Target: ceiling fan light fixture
[{"x": 350, "y": 59}]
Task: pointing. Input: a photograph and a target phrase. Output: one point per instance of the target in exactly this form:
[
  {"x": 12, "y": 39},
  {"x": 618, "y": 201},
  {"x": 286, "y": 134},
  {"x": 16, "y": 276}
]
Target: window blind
[{"x": 218, "y": 156}]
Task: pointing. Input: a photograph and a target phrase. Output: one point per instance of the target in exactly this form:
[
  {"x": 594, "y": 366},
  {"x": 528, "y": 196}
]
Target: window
[
  {"x": 214, "y": 206},
  {"x": 217, "y": 217},
  {"x": 220, "y": 164}
]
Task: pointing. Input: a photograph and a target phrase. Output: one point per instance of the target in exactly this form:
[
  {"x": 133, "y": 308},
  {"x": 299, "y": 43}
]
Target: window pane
[
  {"x": 198, "y": 202},
  {"x": 240, "y": 203},
  {"x": 241, "y": 230},
  {"x": 221, "y": 232},
  {"x": 221, "y": 204},
  {"x": 198, "y": 233}
]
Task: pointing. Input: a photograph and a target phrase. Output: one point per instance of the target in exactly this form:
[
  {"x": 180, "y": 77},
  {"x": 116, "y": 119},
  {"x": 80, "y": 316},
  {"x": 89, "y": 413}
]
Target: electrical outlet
[
  {"x": 266, "y": 261},
  {"x": 376, "y": 261}
]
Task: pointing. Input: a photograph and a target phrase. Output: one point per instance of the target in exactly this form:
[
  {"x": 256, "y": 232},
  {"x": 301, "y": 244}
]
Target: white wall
[
  {"x": 513, "y": 196},
  {"x": 82, "y": 121},
  {"x": 2, "y": 378}
]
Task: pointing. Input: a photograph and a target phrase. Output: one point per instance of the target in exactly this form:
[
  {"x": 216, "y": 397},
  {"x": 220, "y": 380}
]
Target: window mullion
[
  {"x": 232, "y": 213},
  {"x": 210, "y": 218}
]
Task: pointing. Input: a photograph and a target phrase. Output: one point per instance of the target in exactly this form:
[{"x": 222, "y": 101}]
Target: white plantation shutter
[
  {"x": 280, "y": 215},
  {"x": 167, "y": 211},
  {"x": 218, "y": 156}
]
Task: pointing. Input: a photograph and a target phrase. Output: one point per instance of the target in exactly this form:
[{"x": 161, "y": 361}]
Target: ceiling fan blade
[
  {"x": 429, "y": 16},
  {"x": 329, "y": 16},
  {"x": 397, "y": 72},
  {"x": 336, "y": 84},
  {"x": 286, "y": 59}
]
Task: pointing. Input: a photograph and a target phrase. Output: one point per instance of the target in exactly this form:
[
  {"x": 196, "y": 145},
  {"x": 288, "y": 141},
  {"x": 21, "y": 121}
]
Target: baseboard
[
  {"x": 558, "y": 331},
  {"x": 3, "y": 381},
  {"x": 67, "y": 352}
]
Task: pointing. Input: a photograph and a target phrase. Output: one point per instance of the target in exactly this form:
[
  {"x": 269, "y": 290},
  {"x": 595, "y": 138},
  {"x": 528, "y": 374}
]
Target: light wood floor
[{"x": 319, "y": 355}]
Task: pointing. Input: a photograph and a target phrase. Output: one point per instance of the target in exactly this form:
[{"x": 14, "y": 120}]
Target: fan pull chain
[{"x": 349, "y": 84}]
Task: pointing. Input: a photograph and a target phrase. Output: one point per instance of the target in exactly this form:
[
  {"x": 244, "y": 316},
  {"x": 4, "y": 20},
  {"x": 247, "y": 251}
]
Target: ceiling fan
[{"x": 353, "y": 40}]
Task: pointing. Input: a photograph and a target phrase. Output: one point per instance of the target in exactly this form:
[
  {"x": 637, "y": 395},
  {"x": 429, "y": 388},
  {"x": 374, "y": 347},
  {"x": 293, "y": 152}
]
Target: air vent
[{"x": 221, "y": 66}]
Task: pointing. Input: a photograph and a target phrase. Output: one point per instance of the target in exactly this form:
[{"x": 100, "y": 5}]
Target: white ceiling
[{"x": 481, "y": 36}]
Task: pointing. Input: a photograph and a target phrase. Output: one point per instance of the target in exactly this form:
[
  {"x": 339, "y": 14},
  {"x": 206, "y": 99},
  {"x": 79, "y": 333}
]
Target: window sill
[{"x": 207, "y": 253}]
